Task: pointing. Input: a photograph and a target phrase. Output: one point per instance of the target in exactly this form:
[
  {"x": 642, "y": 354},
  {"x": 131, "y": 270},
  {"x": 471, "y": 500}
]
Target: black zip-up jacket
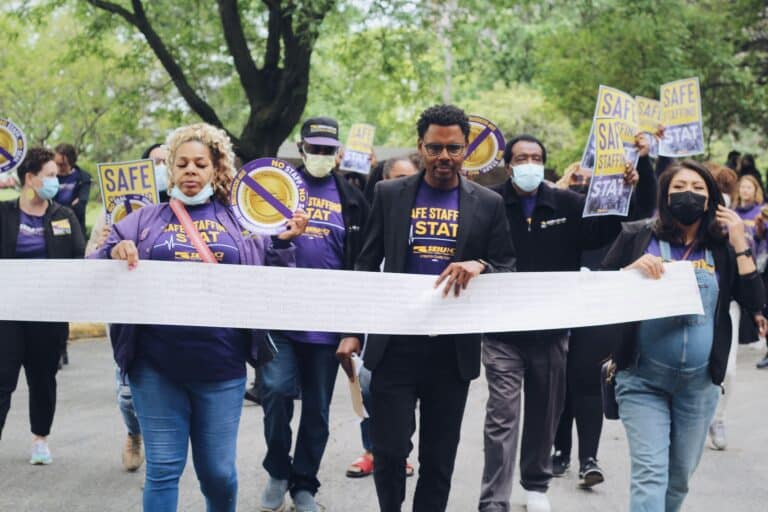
[
  {"x": 558, "y": 232},
  {"x": 747, "y": 290},
  {"x": 65, "y": 246}
]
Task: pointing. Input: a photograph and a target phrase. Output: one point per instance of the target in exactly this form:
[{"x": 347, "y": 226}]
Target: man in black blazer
[{"x": 435, "y": 222}]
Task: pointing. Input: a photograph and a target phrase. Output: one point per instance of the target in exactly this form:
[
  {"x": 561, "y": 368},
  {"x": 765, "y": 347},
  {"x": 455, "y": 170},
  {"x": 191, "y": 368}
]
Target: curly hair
[
  {"x": 33, "y": 162},
  {"x": 443, "y": 115},
  {"x": 222, "y": 155}
]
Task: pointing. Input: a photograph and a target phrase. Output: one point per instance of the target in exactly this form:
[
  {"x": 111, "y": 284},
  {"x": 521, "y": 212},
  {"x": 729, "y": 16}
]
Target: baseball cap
[{"x": 320, "y": 131}]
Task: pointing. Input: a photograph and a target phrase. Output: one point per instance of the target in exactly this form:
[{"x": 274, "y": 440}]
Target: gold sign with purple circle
[
  {"x": 13, "y": 146},
  {"x": 486, "y": 146},
  {"x": 265, "y": 193},
  {"x": 125, "y": 205}
]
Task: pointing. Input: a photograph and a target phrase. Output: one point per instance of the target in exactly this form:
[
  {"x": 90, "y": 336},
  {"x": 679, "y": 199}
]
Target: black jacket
[
  {"x": 354, "y": 211},
  {"x": 83, "y": 193},
  {"x": 65, "y": 246},
  {"x": 483, "y": 233},
  {"x": 747, "y": 290}
]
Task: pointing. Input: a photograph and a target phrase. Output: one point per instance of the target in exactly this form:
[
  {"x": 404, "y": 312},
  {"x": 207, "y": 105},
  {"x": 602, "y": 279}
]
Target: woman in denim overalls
[{"x": 671, "y": 368}]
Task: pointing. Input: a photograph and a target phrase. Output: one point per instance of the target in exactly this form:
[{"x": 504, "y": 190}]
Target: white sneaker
[
  {"x": 41, "y": 454},
  {"x": 717, "y": 435},
  {"x": 537, "y": 502}
]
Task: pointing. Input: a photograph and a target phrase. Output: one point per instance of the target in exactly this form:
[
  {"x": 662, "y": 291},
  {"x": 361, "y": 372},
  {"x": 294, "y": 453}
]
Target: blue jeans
[
  {"x": 125, "y": 403},
  {"x": 172, "y": 414},
  {"x": 666, "y": 413},
  {"x": 310, "y": 369}
]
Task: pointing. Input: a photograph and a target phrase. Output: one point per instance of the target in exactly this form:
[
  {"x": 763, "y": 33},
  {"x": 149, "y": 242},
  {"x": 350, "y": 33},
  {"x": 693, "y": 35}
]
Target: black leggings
[
  {"x": 35, "y": 346},
  {"x": 587, "y": 349}
]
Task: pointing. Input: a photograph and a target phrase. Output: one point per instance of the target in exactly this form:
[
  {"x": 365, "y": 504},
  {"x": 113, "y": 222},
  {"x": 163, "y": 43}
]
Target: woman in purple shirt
[
  {"x": 188, "y": 382},
  {"x": 35, "y": 227}
]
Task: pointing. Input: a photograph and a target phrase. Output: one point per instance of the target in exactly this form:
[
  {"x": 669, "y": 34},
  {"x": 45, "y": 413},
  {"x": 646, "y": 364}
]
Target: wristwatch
[
  {"x": 483, "y": 262},
  {"x": 745, "y": 252}
]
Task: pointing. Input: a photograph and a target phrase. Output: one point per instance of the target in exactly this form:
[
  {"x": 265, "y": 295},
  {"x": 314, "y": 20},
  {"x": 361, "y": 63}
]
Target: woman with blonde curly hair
[{"x": 188, "y": 382}]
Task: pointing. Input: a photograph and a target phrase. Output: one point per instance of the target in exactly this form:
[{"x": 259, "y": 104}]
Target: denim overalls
[
  {"x": 682, "y": 342},
  {"x": 667, "y": 399}
]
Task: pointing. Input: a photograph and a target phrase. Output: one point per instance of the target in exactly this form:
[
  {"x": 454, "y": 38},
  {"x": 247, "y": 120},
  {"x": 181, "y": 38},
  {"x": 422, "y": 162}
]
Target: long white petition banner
[{"x": 336, "y": 301}]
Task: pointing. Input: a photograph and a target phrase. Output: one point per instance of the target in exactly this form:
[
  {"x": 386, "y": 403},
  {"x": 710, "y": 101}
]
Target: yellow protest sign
[
  {"x": 648, "y": 114},
  {"x": 681, "y": 117},
  {"x": 126, "y": 187},
  {"x": 608, "y": 193},
  {"x": 616, "y": 104},
  {"x": 357, "y": 154}
]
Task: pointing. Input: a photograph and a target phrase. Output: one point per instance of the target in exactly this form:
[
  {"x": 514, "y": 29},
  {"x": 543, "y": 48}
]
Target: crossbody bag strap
[{"x": 192, "y": 232}]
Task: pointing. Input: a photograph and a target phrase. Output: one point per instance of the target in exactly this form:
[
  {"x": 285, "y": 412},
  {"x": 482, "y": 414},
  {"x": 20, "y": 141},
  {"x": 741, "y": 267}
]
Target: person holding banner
[
  {"x": 466, "y": 236},
  {"x": 32, "y": 227},
  {"x": 549, "y": 234},
  {"x": 670, "y": 369},
  {"x": 187, "y": 383},
  {"x": 305, "y": 362}
]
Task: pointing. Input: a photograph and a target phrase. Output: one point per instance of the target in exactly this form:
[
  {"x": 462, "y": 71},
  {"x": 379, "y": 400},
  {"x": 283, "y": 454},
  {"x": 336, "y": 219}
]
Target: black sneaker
[
  {"x": 560, "y": 464},
  {"x": 763, "y": 363},
  {"x": 590, "y": 474},
  {"x": 252, "y": 394}
]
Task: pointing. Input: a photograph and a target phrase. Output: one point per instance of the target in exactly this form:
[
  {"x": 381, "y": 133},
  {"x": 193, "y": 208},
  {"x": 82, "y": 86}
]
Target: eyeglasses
[
  {"x": 437, "y": 149},
  {"x": 312, "y": 149}
]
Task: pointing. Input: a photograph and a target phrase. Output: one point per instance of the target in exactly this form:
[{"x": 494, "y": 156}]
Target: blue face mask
[
  {"x": 161, "y": 177},
  {"x": 49, "y": 189},
  {"x": 528, "y": 176},
  {"x": 199, "y": 198}
]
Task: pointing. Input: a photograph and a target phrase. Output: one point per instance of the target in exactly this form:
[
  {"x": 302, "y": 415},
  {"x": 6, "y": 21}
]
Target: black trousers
[
  {"x": 589, "y": 347},
  {"x": 422, "y": 369},
  {"x": 36, "y": 347}
]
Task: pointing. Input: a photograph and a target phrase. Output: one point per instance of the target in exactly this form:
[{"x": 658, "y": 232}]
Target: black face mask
[
  {"x": 579, "y": 189},
  {"x": 687, "y": 207}
]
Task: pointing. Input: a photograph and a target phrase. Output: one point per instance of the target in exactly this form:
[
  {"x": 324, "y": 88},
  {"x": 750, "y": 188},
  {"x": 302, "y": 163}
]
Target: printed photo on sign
[
  {"x": 681, "y": 117},
  {"x": 608, "y": 193},
  {"x": 127, "y": 187},
  {"x": 618, "y": 105},
  {"x": 486, "y": 147},
  {"x": 357, "y": 154},
  {"x": 264, "y": 195},
  {"x": 13, "y": 146}
]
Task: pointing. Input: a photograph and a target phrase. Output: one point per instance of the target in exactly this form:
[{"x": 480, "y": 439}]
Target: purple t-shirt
[
  {"x": 434, "y": 228},
  {"x": 322, "y": 244},
  {"x": 67, "y": 184},
  {"x": 195, "y": 353},
  {"x": 697, "y": 256},
  {"x": 528, "y": 204},
  {"x": 30, "y": 244}
]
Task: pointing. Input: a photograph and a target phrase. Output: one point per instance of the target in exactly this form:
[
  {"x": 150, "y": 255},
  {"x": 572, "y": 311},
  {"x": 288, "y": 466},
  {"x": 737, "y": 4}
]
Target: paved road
[{"x": 87, "y": 438}]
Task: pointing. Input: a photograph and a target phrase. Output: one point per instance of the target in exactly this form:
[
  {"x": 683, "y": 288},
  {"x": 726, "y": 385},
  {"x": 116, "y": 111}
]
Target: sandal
[{"x": 363, "y": 466}]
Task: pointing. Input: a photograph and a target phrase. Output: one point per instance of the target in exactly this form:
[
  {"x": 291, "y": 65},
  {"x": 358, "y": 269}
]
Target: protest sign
[
  {"x": 681, "y": 117},
  {"x": 486, "y": 147},
  {"x": 13, "y": 146},
  {"x": 648, "y": 121},
  {"x": 608, "y": 192},
  {"x": 357, "y": 154},
  {"x": 264, "y": 195},
  {"x": 618, "y": 105},
  {"x": 126, "y": 187}
]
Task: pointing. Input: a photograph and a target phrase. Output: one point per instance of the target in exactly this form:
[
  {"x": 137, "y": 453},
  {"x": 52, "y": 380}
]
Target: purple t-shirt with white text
[
  {"x": 188, "y": 353},
  {"x": 322, "y": 244},
  {"x": 434, "y": 229},
  {"x": 30, "y": 244}
]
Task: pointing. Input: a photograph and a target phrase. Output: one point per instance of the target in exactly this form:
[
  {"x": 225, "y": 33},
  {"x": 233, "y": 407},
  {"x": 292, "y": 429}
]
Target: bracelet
[{"x": 745, "y": 252}]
